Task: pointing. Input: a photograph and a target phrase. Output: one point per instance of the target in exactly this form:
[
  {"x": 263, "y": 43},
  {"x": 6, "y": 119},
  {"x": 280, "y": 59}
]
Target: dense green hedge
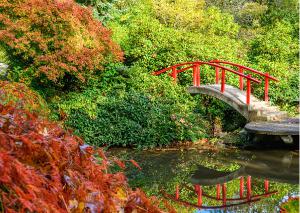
[{"x": 132, "y": 108}]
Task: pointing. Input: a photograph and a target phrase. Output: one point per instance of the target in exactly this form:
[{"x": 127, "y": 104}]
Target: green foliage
[
  {"x": 276, "y": 51},
  {"x": 291, "y": 206},
  {"x": 180, "y": 13},
  {"x": 230, "y": 6},
  {"x": 132, "y": 108},
  {"x": 192, "y": 15},
  {"x": 251, "y": 14},
  {"x": 103, "y": 9},
  {"x": 284, "y": 10},
  {"x": 276, "y": 44},
  {"x": 219, "y": 23},
  {"x": 153, "y": 44},
  {"x": 3, "y": 55},
  {"x": 269, "y": 31}
]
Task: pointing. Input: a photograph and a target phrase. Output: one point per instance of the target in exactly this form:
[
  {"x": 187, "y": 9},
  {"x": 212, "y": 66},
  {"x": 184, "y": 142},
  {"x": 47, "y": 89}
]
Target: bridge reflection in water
[{"x": 274, "y": 166}]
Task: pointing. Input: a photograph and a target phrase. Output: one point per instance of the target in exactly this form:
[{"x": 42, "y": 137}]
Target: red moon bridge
[{"x": 239, "y": 97}]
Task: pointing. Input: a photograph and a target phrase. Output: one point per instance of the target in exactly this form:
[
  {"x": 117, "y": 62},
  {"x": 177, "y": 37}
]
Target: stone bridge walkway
[{"x": 255, "y": 111}]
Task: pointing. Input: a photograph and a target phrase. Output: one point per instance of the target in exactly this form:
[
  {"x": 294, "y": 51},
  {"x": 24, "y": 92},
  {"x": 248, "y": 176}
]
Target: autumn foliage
[
  {"x": 22, "y": 97},
  {"x": 46, "y": 169},
  {"x": 55, "y": 39}
]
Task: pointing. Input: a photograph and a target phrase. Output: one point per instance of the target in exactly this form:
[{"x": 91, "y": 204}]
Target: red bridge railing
[
  {"x": 242, "y": 68},
  {"x": 199, "y": 192},
  {"x": 195, "y": 66}
]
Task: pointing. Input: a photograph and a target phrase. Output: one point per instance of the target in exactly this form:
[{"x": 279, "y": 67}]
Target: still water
[{"x": 270, "y": 177}]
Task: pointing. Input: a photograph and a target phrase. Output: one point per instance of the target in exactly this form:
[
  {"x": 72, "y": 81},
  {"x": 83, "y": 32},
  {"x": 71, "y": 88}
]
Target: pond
[{"x": 268, "y": 177}]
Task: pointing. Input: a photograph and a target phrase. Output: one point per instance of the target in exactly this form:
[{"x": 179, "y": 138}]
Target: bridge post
[
  {"x": 196, "y": 75},
  {"x": 241, "y": 78},
  {"x": 199, "y": 193},
  {"x": 177, "y": 192},
  {"x": 174, "y": 74},
  {"x": 224, "y": 193},
  {"x": 241, "y": 187},
  {"x": 249, "y": 188},
  {"x": 248, "y": 90},
  {"x": 217, "y": 75},
  {"x": 223, "y": 81},
  {"x": 266, "y": 186},
  {"x": 267, "y": 87},
  {"x": 218, "y": 191}
]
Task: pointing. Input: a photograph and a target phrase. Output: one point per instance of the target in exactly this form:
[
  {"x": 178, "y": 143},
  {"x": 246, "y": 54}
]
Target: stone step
[
  {"x": 274, "y": 113},
  {"x": 274, "y": 116},
  {"x": 258, "y": 105},
  {"x": 264, "y": 112},
  {"x": 273, "y": 108},
  {"x": 265, "y": 108}
]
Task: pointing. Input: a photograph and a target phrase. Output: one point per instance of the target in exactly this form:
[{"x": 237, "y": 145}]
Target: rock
[{"x": 3, "y": 70}]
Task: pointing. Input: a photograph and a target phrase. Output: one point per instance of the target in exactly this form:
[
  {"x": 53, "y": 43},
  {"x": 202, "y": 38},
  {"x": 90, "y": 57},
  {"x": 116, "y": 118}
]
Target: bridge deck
[
  {"x": 256, "y": 111},
  {"x": 233, "y": 93}
]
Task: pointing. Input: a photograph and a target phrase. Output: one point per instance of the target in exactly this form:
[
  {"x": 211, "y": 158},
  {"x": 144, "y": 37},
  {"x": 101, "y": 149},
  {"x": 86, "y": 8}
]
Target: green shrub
[
  {"x": 194, "y": 16},
  {"x": 250, "y": 15},
  {"x": 3, "y": 55},
  {"x": 103, "y": 9},
  {"x": 276, "y": 51},
  {"x": 132, "y": 108},
  {"x": 149, "y": 44},
  {"x": 152, "y": 43}
]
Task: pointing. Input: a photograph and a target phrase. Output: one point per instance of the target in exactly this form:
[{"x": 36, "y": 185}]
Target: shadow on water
[
  {"x": 274, "y": 165},
  {"x": 268, "y": 177},
  {"x": 270, "y": 142}
]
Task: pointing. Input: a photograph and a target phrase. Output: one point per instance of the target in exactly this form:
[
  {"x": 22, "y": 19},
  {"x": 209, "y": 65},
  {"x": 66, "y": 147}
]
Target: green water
[{"x": 166, "y": 169}]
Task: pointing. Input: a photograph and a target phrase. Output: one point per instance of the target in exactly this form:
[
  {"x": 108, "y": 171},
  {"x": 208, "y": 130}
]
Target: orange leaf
[
  {"x": 135, "y": 164},
  {"x": 120, "y": 163}
]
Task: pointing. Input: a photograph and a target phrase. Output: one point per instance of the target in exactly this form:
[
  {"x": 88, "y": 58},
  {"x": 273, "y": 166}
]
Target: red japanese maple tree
[
  {"x": 44, "y": 168},
  {"x": 55, "y": 39}
]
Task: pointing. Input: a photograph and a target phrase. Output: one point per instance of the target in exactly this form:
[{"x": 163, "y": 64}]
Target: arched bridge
[{"x": 241, "y": 100}]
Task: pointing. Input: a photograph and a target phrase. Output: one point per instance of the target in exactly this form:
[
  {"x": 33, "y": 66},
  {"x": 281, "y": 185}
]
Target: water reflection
[
  {"x": 269, "y": 165},
  {"x": 273, "y": 165},
  {"x": 277, "y": 166},
  {"x": 166, "y": 170}
]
